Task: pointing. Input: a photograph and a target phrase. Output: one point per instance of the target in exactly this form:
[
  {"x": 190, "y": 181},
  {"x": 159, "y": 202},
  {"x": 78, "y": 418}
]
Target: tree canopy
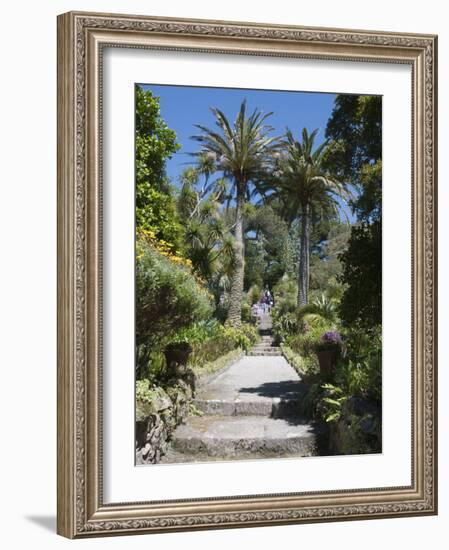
[
  {"x": 155, "y": 143},
  {"x": 355, "y": 152}
]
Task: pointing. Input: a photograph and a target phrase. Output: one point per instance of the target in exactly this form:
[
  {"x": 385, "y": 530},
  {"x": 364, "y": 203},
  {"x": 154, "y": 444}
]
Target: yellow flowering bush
[
  {"x": 163, "y": 247},
  {"x": 168, "y": 298}
]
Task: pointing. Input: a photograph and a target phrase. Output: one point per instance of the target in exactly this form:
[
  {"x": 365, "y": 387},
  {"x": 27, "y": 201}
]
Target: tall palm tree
[
  {"x": 243, "y": 152},
  {"x": 308, "y": 192}
]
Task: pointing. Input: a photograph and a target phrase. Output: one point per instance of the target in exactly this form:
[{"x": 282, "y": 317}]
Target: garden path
[{"x": 249, "y": 410}]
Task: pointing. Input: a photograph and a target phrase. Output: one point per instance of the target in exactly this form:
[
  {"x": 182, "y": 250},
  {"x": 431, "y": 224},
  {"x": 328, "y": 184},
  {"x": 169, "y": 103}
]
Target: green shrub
[
  {"x": 250, "y": 332},
  {"x": 199, "y": 332},
  {"x": 362, "y": 343},
  {"x": 250, "y": 298},
  {"x": 317, "y": 326},
  {"x": 151, "y": 363},
  {"x": 221, "y": 342},
  {"x": 303, "y": 344},
  {"x": 238, "y": 337},
  {"x": 285, "y": 294},
  {"x": 329, "y": 407},
  {"x": 246, "y": 313},
  {"x": 253, "y": 294},
  {"x": 168, "y": 299},
  {"x": 362, "y": 378},
  {"x": 144, "y": 391},
  {"x": 210, "y": 350},
  {"x": 306, "y": 366},
  {"x": 321, "y": 311},
  {"x": 284, "y": 326},
  {"x": 359, "y": 371}
]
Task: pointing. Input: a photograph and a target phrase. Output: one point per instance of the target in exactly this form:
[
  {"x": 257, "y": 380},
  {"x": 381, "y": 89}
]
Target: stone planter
[{"x": 177, "y": 356}]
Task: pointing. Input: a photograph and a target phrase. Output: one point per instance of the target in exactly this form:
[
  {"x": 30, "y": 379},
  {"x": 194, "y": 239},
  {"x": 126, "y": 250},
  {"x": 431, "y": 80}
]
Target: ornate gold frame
[{"x": 81, "y": 37}]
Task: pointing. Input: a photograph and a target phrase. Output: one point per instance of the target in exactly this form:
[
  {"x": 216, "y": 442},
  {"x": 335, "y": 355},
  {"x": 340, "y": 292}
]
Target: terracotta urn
[{"x": 326, "y": 359}]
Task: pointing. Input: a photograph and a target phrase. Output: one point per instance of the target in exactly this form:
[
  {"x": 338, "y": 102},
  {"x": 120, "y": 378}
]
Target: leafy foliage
[
  {"x": 322, "y": 309},
  {"x": 325, "y": 261},
  {"x": 208, "y": 242},
  {"x": 329, "y": 408},
  {"x": 284, "y": 325},
  {"x": 146, "y": 392},
  {"x": 168, "y": 298},
  {"x": 155, "y": 143},
  {"x": 242, "y": 151},
  {"x": 356, "y": 154},
  {"x": 302, "y": 179},
  {"x": 266, "y": 255},
  {"x": 355, "y": 131},
  {"x": 361, "y": 303},
  {"x": 359, "y": 372},
  {"x": 209, "y": 345}
]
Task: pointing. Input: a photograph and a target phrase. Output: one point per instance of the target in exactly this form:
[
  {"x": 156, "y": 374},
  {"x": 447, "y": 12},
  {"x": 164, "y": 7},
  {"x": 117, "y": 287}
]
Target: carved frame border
[{"x": 81, "y": 38}]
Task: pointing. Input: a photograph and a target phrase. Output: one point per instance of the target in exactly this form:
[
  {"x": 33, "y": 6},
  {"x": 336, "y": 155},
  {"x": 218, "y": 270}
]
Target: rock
[
  {"x": 357, "y": 433},
  {"x": 162, "y": 402},
  {"x": 368, "y": 424},
  {"x": 156, "y": 420},
  {"x": 360, "y": 406}
]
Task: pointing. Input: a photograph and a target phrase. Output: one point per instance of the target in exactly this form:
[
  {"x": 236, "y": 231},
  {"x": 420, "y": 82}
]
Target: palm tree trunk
[
  {"x": 304, "y": 258},
  {"x": 236, "y": 292}
]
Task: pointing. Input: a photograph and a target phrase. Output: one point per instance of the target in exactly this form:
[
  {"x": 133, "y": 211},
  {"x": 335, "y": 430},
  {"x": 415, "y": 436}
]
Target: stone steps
[
  {"x": 273, "y": 353},
  {"x": 273, "y": 407},
  {"x": 249, "y": 411},
  {"x": 265, "y": 346},
  {"x": 232, "y": 436}
]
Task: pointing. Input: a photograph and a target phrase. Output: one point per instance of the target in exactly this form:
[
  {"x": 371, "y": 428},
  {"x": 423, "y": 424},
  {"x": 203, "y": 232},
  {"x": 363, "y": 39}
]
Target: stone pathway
[
  {"x": 265, "y": 346},
  {"x": 248, "y": 411}
]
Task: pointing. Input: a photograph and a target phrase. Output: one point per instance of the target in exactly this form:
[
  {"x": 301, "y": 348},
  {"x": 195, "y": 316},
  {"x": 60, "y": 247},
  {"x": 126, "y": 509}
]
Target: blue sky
[{"x": 184, "y": 106}]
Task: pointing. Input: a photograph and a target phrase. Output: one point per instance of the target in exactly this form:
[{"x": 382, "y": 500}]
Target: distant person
[
  {"x": 268, "y": 299},
  {"x": 255, "y": 310}
]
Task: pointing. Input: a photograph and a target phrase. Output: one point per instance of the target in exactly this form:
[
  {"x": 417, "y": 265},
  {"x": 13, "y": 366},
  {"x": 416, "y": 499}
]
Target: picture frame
[{"x": 82, "y": 40}]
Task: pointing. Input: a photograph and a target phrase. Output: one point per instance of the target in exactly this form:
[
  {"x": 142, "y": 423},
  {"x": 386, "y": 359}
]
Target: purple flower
[{"x": 331, "y": 337}]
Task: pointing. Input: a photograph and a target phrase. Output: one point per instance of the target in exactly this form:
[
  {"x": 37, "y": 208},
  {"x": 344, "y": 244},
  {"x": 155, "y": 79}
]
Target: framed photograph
[{"x": 246, "y": 274}]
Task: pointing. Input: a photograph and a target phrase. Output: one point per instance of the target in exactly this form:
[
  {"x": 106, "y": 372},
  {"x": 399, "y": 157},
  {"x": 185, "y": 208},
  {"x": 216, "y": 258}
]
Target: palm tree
[
  {"x": 199, "y": 203},
  {"x": 308, "y": 192},
  {"x": 243, "y": 152}
]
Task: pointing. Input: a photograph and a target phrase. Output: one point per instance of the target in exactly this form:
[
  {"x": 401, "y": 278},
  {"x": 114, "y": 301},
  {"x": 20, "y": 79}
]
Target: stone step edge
[
  {"x": 264, "y": 353},
  {"x": 274, "y": 407},
  {"x": 302, "y": 445},
  {"x": 267, "y": 345}
]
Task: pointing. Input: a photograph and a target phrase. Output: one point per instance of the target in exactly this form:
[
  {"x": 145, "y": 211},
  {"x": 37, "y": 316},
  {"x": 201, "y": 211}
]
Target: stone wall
[
  {"x": 359, "y": 428},
  {"x": 157, "y": 419}
]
